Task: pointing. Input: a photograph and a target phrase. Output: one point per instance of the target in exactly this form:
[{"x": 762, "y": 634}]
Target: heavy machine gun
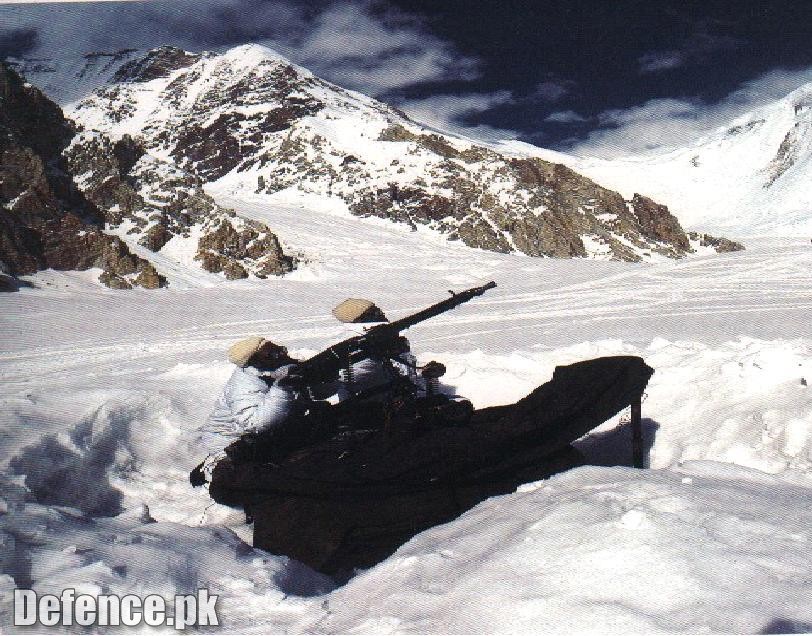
[{"x": 382, "y": 340}]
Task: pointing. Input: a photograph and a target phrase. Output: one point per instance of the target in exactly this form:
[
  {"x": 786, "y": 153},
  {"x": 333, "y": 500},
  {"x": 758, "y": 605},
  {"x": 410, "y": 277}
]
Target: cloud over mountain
[
  {"x": 665, "y": 123},
  {"x": 365, "y": 45}
]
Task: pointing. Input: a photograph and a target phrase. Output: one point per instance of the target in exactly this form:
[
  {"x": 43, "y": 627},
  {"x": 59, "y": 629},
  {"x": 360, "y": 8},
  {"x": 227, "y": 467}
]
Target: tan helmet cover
[
  {"x": 240, "y": 352},
  {"x": 355, "y": 309}
]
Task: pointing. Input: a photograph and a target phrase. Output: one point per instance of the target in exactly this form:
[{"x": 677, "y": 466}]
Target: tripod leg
[{"x": 637, "y": 434}]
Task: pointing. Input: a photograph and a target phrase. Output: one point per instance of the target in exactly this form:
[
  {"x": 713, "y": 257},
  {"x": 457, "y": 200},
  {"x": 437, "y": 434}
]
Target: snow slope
[
  {"x": 69, "y": 76},
  {"x": 102, "y": 391},
  {"x": 750, "y": 177}
]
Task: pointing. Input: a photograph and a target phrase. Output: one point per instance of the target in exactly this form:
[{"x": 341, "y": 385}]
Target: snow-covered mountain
[
  {"x": 249, "y": 121},
  {"x": 747, "y": 178},
  {"x": 74, "y": 200},
  {"x": 68, "y": 77}
]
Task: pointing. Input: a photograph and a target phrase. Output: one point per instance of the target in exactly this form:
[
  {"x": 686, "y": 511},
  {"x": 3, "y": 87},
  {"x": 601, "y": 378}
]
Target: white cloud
[
  {"x": 446, "y": 112},
  {"x": 565, "y": 117},
  {"x": 700, "y": 46},
  {"x": 661, "y": 60},
  {"x": 362, "y": 45},
  {"x": 665, "y": 123},
  {"x": 549, "y": 91},
  {"x": 377, "y": 53}
]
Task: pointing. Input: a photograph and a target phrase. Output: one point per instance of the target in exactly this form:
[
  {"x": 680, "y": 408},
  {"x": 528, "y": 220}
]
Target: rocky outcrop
[
  {"x": 45, "y": 221},
  {"x": 657, "y": 223},
  {"x": 64, "y": 193},
  {"x": 229, "y": 250},
  {"x": 157, "y": 63},
  {"x": 29, "y": 119},
  {"x": 157, "y": 202},
  {"x": 719, "y": 244},
  {"x": 535, "y": 216}
]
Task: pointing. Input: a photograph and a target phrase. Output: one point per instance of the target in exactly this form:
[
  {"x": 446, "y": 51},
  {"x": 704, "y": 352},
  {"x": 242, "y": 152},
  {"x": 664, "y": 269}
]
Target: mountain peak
[{"x": 252, "y": 53}]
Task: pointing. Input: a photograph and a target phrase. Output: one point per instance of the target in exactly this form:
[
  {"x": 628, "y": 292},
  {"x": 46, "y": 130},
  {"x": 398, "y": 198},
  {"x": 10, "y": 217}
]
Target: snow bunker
[{"x": 349, "y": 501}]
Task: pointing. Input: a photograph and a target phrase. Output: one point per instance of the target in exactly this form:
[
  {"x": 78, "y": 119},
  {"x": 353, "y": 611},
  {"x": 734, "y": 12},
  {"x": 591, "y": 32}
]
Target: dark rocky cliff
[{"x": 64, "y": 193}]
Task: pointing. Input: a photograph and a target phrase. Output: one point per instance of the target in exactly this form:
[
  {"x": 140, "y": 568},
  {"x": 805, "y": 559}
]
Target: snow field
[{"x": 103, "y": 389}]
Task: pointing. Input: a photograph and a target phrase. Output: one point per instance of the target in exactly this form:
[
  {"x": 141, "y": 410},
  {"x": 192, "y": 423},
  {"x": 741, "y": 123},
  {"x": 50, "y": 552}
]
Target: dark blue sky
[
  {"x": 608, "y": 76},
  {"x": 613, "y": 54}
]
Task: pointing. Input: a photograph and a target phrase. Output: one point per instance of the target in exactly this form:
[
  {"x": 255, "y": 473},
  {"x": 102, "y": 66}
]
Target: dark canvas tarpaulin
[{"x": 350, "y": 502}]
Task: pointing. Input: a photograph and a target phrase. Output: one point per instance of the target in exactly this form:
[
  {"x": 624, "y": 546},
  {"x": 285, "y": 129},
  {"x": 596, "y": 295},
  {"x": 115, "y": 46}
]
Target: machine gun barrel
[
  {"x": 324, "y": 366},
  {"x": 443, "y": 306}
]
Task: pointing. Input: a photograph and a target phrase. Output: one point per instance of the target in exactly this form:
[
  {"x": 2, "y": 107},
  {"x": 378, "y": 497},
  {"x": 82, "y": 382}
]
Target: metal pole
[{"x": 637, "y": 434}]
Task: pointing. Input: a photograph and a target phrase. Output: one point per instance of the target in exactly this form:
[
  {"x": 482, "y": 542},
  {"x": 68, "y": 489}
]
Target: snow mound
[
  {"x": 51, "y": 548},
  {"x": 600, "y": 550}
]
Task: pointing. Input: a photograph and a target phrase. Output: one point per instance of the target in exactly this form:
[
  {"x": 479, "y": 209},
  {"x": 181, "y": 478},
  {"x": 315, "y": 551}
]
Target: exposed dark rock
[
  {"x": 224, "y": 240},
  {"x": 436, "y": 144},
  {"x": 114, "y": 281},
  {"x": 552, "y": 207},
  {"x": 577, "y": 206},
  {"x": 155, "y": 237},
  {"x": 113, "y": 177},
  {"x": 786, "y": 155},
  {"x": 30, "y": 119},
  {"x": 721, "y": 245},
  {"x": 477, "y": 233},
  {"x": 93, "y": 157},
  {"x": 233, "y": 270},
  {"x": 127, "y": 152},
  {"x": 217, "y": 263},
  {"x": 222, "y": 249},
  {"x": 210, "y": 261},
  {"x": 159, "y": 62},
  {"x": 547, "y": 235},
  {"x": 214, "y": 150},
  {"x": 657, "y": 223},
  {"x": 270, "y": 259},
  {"x": 46, "y": 221},
  {"x": 149, "y": 278},
  {"x": 396, "y": 132},
  {"x": 24, "y": 185},
  {"x": 211, "y": 151},
  {"x": 68, "y": 243}
]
